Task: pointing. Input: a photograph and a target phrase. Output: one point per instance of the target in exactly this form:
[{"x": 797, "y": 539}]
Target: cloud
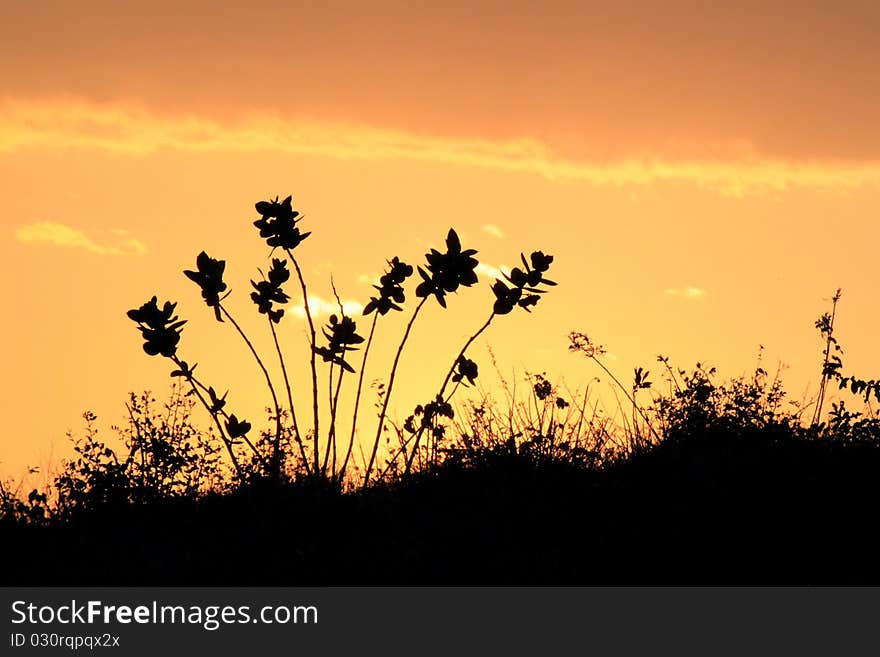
[
  {"x": 321, "y": 307},
  {"x": 494, "y": 231},
  {"x": 492, "y": 272},
  {"x": 49, "y": 232},
  {"x": 137, "y": 131},
  {"x": 694, "y": 293}
]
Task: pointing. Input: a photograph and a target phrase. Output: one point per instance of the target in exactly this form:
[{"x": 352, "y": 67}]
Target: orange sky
[{"x": 705, "y": 176}]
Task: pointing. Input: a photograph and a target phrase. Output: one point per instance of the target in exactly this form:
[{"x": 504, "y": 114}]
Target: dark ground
[{"x": 719, "y": 510}]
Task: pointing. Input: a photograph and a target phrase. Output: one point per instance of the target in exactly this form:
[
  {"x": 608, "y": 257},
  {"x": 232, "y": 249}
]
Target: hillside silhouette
[
  {"x": 692, "y": 480},
  {"x": 721, "y": 507}
]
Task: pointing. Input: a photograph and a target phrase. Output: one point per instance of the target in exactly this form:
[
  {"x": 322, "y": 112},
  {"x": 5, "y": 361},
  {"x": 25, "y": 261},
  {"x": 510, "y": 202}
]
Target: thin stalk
[
  {"x": 388, "y": 391},
  {"x": 308, "y": 311},
  {"x": 333, "y": 401},
  {"x": 638, "y": 431},
  {"x": 357, "y": 397},
  {"x": 213, "y": 415},
  {"x": 672, "y": 377},
  {"x": 273, "y": 472},
  {"x": 446, "y": 382},
  {"x": 330, "y": 405},
  {"x": 583, "y": 409},
  {"x": 334, "y": 405},
  {"x": 296, "y": 435},
  {"x": 434, "y": 440},
  {"x": 818, "y": 414},
  {"x": 628, "y": 396},
  {"x": 224, "y": 414},
  {"x": 400, "y": 451}
]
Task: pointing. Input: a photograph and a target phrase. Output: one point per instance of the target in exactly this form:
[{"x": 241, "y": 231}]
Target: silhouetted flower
[
  {"x": 160, "y": 328},
  {"x": 541, "y": 263},
  {"x": 236, "y": 428},
  {"x": 505, "y": 298},
  {"x": 209, "y": 277},
  {"x": 277, "y": 224},
  {"x": 341, "y": 335},
  {"x": 465, "y": 368},
  {"x": 390, "y": 288},
  {"x": 525, "y": 292},
  {"x": 447, "y": 271},
  {"x": 269, "y": 291}
]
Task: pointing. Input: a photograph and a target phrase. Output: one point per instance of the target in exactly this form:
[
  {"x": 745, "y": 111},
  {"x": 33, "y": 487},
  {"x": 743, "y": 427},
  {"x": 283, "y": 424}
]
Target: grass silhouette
[{"x": 692, "y": 481}]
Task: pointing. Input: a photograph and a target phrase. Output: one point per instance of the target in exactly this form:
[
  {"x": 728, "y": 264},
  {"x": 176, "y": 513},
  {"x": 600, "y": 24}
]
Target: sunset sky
[{"x": 704, "y": 175}]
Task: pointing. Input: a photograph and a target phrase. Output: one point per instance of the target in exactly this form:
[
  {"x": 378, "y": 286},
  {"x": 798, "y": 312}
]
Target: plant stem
[
  {"x": 628, "y": 396},
  {"x": 334, "y": 405},
  {"x": 357, "y": 397},
  {"x": 273, "y": 471},
  {"x": 825, "y": 376},
  {"x": 330, "y": 406},
  {"x": 388, "y": 391},
  {"x": 308, "y": 311},
  {"x": 461, "y": 353},
  {"x": 223, "y": 413},
  {"x": 213, "y": 415},
  {"x": 296, "y": 435}
]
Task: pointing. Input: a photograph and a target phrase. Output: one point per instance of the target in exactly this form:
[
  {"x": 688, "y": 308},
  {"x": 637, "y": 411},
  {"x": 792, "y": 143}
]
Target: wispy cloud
[
  {"x": 492, "y": 272},
  {"x": 695, "y": 293},
  {"x": 320, "y": 307},
  {"x": 55, "y": 234},
  {"x": 494, "y": 231},
  {"x": 131, "y": 130}
]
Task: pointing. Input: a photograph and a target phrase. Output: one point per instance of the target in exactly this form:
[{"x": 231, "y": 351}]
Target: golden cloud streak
[
  {"x": 686, "y": 292},
  {"x": 493, "y": 230},
  {"x": 320, "y": 307},
  {"x": 55, "y": 234},
  {"x": 136, "y": 131}
]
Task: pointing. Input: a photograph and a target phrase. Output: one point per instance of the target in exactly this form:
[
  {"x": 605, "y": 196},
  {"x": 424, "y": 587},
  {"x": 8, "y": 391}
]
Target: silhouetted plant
[
  {"x": 166, "y": 454},
  {"x": 161, "y": 330},
  {"x": 701, "y": 405},
  {"x": 278, "y": 226},
  {"x": 525, "y": 293},
  {"x": 582, "y": 344},
  {"x": 209, "y": 277},
  {"x": 160, "y": 454},
  {"x": 33, "y": 509},
  {"x": 341, "y": 337},
  {"x": 391, "y": 294},
  {"x": 268, "y": 292},
  {"x": 443, "y": 274},
  {"x": 544, "y": 427},
  {"x": 832, "y": 364}
]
